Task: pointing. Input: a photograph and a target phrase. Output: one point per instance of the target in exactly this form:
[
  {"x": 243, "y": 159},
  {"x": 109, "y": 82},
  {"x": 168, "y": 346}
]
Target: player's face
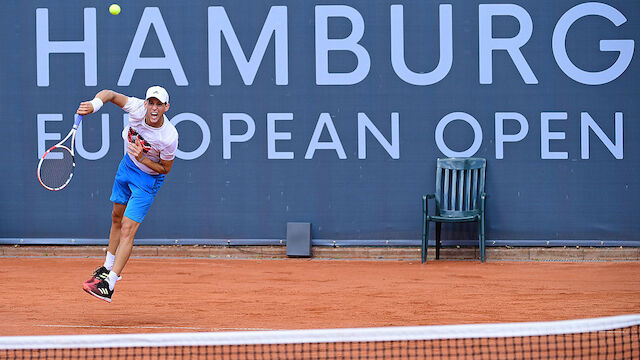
[{"x": 155, "y": 111}]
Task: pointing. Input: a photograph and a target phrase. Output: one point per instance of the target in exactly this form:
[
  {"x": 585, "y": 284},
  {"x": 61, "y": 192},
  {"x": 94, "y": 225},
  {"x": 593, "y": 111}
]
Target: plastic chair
[{"x": 459, "y": 197}]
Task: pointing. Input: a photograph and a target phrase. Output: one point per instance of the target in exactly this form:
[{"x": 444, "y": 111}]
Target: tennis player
[{"x": 151, "y": 145}]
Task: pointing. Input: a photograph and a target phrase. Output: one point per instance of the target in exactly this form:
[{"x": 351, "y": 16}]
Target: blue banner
[{"x": 332, "y": 113}]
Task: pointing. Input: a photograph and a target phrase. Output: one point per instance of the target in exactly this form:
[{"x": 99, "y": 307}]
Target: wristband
[{"x": 97, "y": 104}]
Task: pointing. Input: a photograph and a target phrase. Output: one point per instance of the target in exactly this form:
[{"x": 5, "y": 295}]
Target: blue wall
[{"x": 565, "y": 165}]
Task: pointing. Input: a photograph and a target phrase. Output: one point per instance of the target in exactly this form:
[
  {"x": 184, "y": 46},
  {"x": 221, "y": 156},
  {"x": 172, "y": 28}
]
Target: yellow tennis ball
[{"x": 114, "y": 9}]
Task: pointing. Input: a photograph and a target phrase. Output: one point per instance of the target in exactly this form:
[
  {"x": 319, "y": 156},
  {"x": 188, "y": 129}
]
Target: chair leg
[
  {"x": 425, "y": 239},
  {"x": 481, "y": 236},
  {"x": 438, "y": 243}
]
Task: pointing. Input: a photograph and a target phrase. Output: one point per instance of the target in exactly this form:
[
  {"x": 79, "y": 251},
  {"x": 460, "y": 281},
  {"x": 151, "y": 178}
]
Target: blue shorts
[{"x": 135, "y": 188}]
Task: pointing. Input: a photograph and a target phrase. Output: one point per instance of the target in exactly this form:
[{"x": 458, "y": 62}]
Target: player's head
[{"x": 156, "y": 102}]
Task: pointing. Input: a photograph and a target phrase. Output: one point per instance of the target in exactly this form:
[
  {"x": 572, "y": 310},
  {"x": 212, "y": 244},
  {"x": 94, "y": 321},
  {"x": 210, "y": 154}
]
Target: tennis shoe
[
  {"x": 99, "y": 289},
  {"x": 100, "y": 273}
]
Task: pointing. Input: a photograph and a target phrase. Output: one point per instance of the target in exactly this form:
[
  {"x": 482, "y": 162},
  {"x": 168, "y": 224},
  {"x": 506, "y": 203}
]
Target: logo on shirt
[{"x": 146, "y": 146}]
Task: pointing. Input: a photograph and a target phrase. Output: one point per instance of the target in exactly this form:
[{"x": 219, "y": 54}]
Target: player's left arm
[
  {"x": 162, "y": 167},
  {"x": 136, "y": 150}
]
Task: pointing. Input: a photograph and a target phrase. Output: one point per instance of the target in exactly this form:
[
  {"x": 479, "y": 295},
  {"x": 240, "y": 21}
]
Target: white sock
[
  {"x": 111, "y": 279},
  {"x": 109, "y": 260}
]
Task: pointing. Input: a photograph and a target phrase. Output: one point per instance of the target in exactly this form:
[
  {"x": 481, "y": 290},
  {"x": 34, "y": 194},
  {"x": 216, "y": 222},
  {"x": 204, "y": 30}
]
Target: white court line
[{"x": 152, "y": 327}]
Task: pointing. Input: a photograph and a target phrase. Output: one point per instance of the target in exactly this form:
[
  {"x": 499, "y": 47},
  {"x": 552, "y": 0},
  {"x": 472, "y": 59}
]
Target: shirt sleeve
[
  {"x": 169, "y": 152},
  {"x": 135, "y": 108}
]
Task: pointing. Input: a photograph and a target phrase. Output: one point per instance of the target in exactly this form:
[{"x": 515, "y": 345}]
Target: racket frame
[{"x": 71, "y": 149}]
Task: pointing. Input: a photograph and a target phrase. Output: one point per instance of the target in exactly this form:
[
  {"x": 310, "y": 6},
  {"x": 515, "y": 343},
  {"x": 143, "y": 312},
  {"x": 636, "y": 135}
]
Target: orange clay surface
[{"x": 42, "y": 296}]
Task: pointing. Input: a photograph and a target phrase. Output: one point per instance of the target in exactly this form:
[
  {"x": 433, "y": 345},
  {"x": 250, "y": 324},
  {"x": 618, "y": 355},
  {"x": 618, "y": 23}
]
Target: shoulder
[
  {"x": 133, "y": 105},
  {"x": 170, "y": 130}
]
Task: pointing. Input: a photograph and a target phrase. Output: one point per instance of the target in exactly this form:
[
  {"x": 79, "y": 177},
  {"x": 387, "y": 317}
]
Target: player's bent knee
[
  {"x": 116, "y": 217},
  {"x": 128, "y": 229},
  {"x": 117, "y": 213}
]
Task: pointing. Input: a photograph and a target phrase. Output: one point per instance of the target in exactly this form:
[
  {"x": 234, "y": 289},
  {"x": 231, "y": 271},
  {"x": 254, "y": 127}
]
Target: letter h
[{"x": 45, "y": 47}]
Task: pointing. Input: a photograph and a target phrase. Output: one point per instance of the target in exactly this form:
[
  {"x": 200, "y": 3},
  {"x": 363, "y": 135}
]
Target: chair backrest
[{"x": 459, "y": 184}]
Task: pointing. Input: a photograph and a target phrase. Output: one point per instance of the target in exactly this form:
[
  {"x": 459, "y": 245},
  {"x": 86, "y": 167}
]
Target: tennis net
[{"x": 615, "y": 337}]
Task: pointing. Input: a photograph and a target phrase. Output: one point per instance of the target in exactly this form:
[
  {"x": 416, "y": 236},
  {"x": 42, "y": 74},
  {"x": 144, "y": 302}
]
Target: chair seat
[{"x": 453, "y": 219}]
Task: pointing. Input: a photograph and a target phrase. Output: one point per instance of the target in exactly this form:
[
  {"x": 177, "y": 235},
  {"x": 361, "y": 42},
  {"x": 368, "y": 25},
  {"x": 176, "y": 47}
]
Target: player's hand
[
  {"x": 135, "y": 150},
  {"x": 85, "y": 108}
]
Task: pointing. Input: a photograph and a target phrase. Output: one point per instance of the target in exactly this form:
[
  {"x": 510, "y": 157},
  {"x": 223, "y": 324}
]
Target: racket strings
[{"x": 56, "y": 168}]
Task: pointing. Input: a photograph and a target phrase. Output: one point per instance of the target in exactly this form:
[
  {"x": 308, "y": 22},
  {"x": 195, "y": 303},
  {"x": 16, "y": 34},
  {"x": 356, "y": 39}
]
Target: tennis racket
[{"x": 55, "y": 168}]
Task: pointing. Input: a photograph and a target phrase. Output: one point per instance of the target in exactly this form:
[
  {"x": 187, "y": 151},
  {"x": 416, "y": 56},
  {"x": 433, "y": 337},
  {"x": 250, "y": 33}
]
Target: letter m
[{"x": 219, "y": 25}]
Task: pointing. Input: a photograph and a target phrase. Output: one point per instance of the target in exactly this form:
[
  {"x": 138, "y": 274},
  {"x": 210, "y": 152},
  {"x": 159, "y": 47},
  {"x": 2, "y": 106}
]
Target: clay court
[{"x": 43, "y": 295}]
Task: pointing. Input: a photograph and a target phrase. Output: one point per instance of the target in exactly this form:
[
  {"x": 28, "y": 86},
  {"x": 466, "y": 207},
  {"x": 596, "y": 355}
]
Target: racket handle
[{"x": 78, "y": 120}]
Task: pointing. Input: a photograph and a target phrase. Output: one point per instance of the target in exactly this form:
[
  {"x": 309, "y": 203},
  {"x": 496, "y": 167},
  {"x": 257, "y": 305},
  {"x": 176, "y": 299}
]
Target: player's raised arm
[{"x": 102, "y": 97}]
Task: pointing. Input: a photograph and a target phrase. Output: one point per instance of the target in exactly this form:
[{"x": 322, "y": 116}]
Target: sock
[
  {"x": 111, "y": 279},
  {"x": 109, "y": 260}
]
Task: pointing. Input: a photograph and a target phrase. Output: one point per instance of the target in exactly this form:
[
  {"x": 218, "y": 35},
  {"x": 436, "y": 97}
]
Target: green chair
[{"x": 459, "y": 197}]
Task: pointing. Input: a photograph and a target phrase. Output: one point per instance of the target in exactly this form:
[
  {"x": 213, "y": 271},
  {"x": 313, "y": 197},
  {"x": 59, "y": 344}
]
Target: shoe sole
[{"x": 86, "y": 288}]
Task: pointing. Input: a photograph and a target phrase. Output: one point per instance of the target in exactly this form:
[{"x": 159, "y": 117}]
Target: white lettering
[
  {"x": 206, "y": 135},
  {"x": 104, "y": 146},
  {"x": 477, "y": 132},
  {"x": 365, "y": 127},
  {"x": 501, "y": 137},
  {"x": 398, "y": 53},
  {"x": 228, "y": 138},
  {"x": 546, "y": 135},
  {"x": 45, "y": 47},
  {"x": 335, "y": 144},
  {"x": 44, "y": 136},
  {"x": 350, "y": 43},
  {"x": 392, "y": 148},
  {"x": 488, "y": 43},
  {"x": 623, "y": 47},
  {"x": 273, "y": 136},
  {"x": 276, "y": 24},
  {"x": 587, "y": 122},
  {"x": 152, "y": 16}
]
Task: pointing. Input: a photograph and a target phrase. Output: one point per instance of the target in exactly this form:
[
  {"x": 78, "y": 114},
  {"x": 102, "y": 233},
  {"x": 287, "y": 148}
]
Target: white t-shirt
[{"x": 158, "y": 143}]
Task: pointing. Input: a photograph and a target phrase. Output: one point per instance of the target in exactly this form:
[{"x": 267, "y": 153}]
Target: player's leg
[
  {"x": 127, "y": 234},
  {"x": 103, "y": 289},
  {"x": 120, "y": 195},
  {"x": 143, "y": 189},
  {"x": 116, "y": 225},
  {"x": 114, "y": 239},
  {"x": 137, "y": 208}
]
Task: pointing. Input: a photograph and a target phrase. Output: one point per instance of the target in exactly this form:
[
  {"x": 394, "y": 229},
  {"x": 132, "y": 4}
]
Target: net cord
[{"x": 432, "y": 332}]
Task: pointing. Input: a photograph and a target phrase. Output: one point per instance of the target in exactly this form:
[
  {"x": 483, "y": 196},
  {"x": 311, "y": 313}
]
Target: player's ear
[{"x": 166, "y": 106}]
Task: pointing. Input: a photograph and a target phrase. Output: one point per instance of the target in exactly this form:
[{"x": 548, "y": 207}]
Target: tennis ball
[{"x": 114, "y": 9}]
